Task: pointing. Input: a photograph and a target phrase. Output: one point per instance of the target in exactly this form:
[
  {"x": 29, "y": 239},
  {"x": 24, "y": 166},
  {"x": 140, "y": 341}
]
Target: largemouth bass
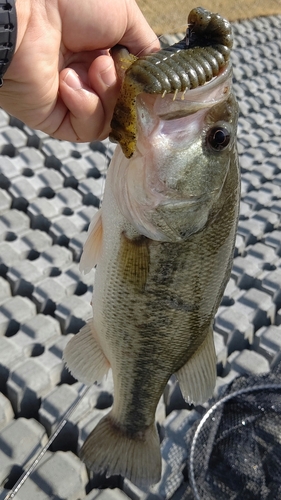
[{"x": 163, "y": 244}]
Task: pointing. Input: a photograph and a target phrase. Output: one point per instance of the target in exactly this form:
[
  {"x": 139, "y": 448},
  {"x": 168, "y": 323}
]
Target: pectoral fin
[
  {"x": 93, "y": 245},
  {"x": 84, "y": 357},
  {"x": 197, "y": 377}
]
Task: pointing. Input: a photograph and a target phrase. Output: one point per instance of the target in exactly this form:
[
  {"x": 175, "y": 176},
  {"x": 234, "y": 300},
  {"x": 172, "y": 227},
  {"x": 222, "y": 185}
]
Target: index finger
[{"x": 102, "y": 24}]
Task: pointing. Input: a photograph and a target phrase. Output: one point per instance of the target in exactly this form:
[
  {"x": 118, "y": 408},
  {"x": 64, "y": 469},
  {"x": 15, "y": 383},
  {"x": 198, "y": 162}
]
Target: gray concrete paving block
[
  {"x": 261, "y": 198},
  {"x": 62, "y": 230},
  {"x": 83, "y": 217},
  {"x": 114, "y": 494},
  {"x": 263, "y": 254},
  {"x": 89, "y": 280},
  {"x": 277, "y": 180},
  {"x": 13, "y": 222},
  {"x": 251, "y": 180},
  {"x": 57, "y": 403},
  {"x": 5, "y": 201},
  {"x": 31, "y": 158},
  {"x": 266, "y": 170},
  {"x": 223, "y": 381},
  {"x": 32, "y": 243},
  {"x": 76, "y": 245},
  {"x": 173, "y": 397},
  {"x": 47, "y": 294},
  {"x": 54, "y": 260},
  {"x": 41, "y": 212},
  {"x": 275, "y": 207},
  {"x": 5, "y": 289},
  {"x": 271, "y": 284},
  {"x": 37, "y": 334},
  {"x": 235, "y": 326},
  {"x": 271, "y": 148},
  {"x": 245, "y": 271},
  {"x": 9, "y": 256},
  {"x": 52, "y": 358},
  {"x": 92, "y": 191},
  {"x": 47, "y": 181},
  {"x": 257, "y": 306},
  {"x": 257, "y": 155},
  {"x": 73, "y": 171},
  {"x": 178, "y": 423},
  {"x": 80, "y": 222},
  {"x": 6, "y": 148},
  {"x": 70, "y": 281},
  {"x": 230, "y": 293},
  {"x": 20, "y": 440},
  {"x": 221, "y": 351},
  {"x": 240, "y": 245},
  {"x": 88, "y": 296},
  {"x": 72, "y": 313},
  {"x": 268, "y": 220},
  {"x": 273, "y": 239},
  {"x": 267, "y": 342},
  {"x": 278, "y": 317},
  {"x": 14, "y": 312},
  {"x": 22, "y": 192},
  {"x": 245, "y": 210},
  {"x": 60, "y": 476},
  {"x": 6, "y": 411},
  {"x": 10, "y": 168},
  {"x": 252, "y": 230},
  {"x": 34, "y": 139},
  {"x": 67, "y": 200},
  {"x": 13, "y": 135},
  {"x": 28, "y": 381},
  {"x": 79, "y": 149},
  {"x": 99, "y": 161},
  {"x": 58, "y": 149},
  {"x": 23, "y": 276},
  {"x": 10, "y": 355},
  {"x": 248, "y": 362}
]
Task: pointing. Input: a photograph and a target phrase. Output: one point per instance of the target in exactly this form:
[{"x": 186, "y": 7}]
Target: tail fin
[{"x": 109, "y": 449}]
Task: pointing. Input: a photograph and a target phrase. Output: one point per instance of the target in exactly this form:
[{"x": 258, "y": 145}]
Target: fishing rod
[{"x": 12, "y": 493}]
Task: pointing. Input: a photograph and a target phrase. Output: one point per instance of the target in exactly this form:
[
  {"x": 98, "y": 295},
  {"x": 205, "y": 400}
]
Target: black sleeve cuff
[{"x": 8, "y": 35}]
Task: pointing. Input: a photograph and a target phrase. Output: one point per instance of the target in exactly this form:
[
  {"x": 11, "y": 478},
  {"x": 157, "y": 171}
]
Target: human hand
[{"x": 62, "y": 78}]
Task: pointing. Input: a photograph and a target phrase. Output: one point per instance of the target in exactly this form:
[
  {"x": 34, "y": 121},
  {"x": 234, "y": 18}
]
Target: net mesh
[{"x": 236, "y": 447}]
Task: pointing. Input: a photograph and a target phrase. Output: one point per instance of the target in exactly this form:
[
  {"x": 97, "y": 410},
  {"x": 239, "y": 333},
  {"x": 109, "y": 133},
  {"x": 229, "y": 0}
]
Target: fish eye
[{"x": 218, "y": 138}]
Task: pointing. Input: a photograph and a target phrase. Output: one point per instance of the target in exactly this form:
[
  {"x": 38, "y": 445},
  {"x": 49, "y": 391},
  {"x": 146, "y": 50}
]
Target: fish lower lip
[{"x": 184, "y": 203}]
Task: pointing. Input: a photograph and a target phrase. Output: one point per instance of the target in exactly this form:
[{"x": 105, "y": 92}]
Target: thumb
[{"x": 89, "y": 99}]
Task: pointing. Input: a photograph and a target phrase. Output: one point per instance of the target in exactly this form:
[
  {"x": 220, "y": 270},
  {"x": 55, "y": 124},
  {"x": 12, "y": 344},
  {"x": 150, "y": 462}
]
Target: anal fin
[
  {"x": 84, "y": 357},
  {"x": 197, "y": 378}
]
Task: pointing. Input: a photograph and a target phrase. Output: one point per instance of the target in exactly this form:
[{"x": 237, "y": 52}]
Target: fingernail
[
  {"x": 72, "y": 80},
  {"x": 108, "y": 76}
]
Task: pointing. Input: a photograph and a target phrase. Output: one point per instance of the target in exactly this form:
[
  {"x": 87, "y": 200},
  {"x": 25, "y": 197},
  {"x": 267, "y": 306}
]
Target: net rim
[{"x": 207, "y": 415}]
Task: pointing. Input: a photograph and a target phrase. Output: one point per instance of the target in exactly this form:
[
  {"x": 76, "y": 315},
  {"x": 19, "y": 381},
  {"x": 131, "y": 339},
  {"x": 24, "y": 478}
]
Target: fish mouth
[
  {"x": 184, "y": 203},
  {"x": 191, "y": 101}
]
